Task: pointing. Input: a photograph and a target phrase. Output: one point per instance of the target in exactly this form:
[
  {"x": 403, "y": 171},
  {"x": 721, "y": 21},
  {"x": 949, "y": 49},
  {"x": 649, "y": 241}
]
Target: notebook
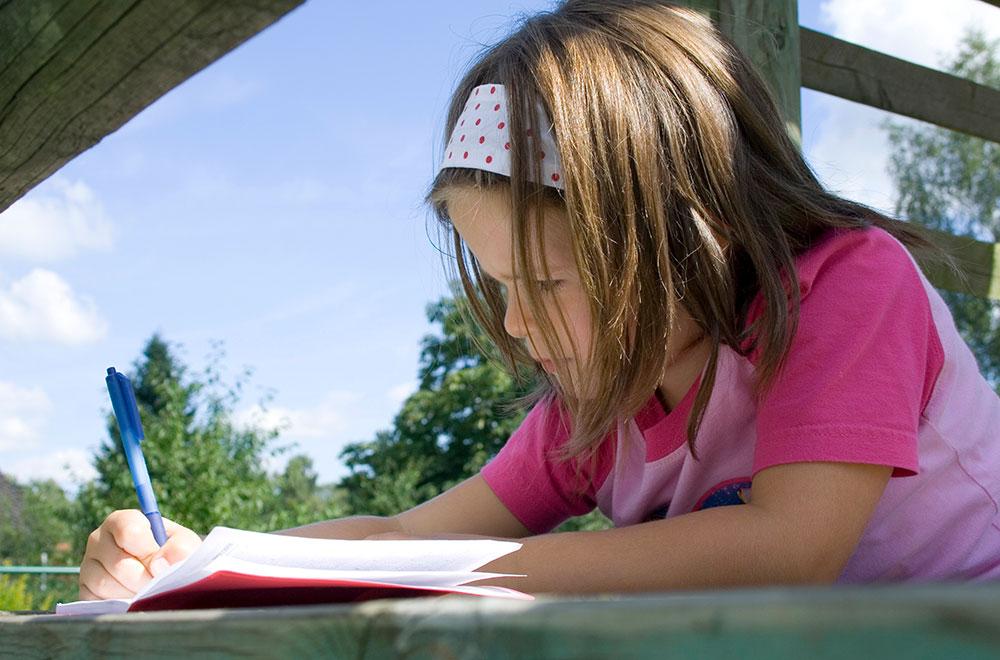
[{"x": 237, "y": 568}]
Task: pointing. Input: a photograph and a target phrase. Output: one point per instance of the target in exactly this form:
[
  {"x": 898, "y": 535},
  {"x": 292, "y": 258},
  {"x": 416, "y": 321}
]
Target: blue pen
[{"x": 130, "y": 426}]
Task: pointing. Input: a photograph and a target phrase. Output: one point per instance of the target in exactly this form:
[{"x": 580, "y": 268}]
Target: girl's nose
[{"x": 513, "y": 320}]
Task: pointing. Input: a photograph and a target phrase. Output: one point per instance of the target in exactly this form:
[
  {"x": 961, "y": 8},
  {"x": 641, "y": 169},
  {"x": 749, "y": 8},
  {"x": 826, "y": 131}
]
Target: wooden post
[{"x": 766, "y": 31}]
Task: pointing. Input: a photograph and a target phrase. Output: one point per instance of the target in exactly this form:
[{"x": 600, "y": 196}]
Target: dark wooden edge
[{"x": 75, "y": 71}]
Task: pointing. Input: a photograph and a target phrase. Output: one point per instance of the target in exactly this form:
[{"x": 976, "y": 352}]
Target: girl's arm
[
  {"x": 467, "y": 508},
  {"x": 802, "y": 525}
]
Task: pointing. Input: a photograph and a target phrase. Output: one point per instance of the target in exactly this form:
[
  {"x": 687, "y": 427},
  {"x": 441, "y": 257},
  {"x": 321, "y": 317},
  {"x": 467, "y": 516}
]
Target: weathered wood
[
  {"x": 979, "y": 262},
  {"x": 856, "y": 73},
  {"x": 74, "y": 71},
  {"x": 766, "y": 31},
  {"x": 953, "y": 621}
]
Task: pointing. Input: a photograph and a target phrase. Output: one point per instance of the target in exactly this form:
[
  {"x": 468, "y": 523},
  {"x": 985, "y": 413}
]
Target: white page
[
  {"x": 110, "y": 606},
  {"x": 420, "y": 555}
]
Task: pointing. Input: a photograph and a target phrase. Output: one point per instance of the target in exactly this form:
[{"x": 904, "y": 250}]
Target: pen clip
[{"x": 129, "y": 422}]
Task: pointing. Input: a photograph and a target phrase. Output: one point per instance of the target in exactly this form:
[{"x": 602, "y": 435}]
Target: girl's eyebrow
[
  {"x": 504, "y": 276},
  {"x": 501, "y": 277}
]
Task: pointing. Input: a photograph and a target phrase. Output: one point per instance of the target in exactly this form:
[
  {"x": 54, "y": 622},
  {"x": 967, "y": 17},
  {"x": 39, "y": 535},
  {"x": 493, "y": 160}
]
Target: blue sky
[{"x": 273, "y": 202}]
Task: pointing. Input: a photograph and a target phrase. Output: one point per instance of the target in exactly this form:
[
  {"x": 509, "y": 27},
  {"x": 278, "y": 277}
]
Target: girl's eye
[{"x": 549, "y": 285}]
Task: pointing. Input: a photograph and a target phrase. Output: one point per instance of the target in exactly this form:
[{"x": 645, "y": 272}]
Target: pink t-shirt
[{"x": 877, "y": 373}]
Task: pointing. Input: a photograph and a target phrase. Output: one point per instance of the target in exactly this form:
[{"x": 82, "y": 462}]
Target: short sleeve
[
  {"x": 862, "y": 363},
  {"x": 527, "y": 475}
]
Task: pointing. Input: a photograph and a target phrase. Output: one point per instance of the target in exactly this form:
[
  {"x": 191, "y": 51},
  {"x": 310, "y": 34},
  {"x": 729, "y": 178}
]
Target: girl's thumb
[
  {"x": 158, "y": 566},
  {"x": 176, "y": 548}
]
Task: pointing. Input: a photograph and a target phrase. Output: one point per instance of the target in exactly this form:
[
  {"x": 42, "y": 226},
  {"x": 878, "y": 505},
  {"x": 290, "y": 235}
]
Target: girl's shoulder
[
  {"x": 864, "y": 256},
  {"x": 851, "y": 266}
]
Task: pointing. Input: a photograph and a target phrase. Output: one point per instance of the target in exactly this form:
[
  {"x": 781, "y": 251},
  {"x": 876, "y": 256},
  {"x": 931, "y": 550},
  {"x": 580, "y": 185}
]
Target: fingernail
[{"x": 158, "y": 566}]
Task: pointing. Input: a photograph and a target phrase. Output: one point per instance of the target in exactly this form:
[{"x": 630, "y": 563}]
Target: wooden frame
[{"x": 790, "y": 56}]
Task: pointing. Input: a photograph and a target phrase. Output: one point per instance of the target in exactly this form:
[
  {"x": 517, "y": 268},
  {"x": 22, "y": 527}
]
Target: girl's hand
[{"x": 122, "y": 555}]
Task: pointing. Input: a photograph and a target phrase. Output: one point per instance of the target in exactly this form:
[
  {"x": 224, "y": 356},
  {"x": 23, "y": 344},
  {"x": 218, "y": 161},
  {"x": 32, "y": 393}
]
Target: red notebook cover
[{"x": 230, "y": 589}]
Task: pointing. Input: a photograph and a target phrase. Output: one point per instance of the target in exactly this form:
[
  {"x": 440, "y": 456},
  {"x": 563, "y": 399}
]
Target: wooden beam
[
  {"x": 767, "y": 32},
  {"x": 74, "y": 71},
  {"x": 953, "y": 621},
  {"x": 859, "y": 74},
  {"x": 979, "y": 262}
]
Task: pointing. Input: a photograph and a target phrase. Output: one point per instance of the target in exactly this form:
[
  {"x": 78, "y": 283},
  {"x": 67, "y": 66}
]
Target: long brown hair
[{"x": 681, "y": 187}]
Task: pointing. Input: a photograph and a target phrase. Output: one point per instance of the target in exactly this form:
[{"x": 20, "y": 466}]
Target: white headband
[{"x": 481, "y": 139}]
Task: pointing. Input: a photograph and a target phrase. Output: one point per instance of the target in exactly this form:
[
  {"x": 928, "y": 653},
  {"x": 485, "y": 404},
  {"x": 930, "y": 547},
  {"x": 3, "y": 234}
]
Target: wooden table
[{"x": 942, "y": 621}]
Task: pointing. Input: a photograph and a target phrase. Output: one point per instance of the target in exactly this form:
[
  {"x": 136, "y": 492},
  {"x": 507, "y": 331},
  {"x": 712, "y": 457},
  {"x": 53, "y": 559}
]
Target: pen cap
[{"x": 124, "y": 404}]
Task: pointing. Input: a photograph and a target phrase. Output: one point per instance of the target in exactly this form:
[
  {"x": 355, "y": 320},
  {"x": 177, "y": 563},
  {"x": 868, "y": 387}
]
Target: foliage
[
  {"x": 34, "y": 518},
  {"x": 951, "y": 181},
  {"x": 17, "y": 595},
  {"x": 299, "y": 499},
  {"x": 445, "y": 431}
]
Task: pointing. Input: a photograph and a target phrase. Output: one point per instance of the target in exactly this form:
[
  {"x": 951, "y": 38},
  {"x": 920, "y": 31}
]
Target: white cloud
[
  {"x": 22, "y": 414},
  {"x": 921, "y": 31},
  {"x": 850, "y": 154},
  {"x": 398, "y": 393},
  {"x": 319, "y": 431},
  {"x": 328, "y": 419},
  {"x": 56, "y": 222},
  {"x": 68, "y": 467},
  {"x": 42, "y": 306}
]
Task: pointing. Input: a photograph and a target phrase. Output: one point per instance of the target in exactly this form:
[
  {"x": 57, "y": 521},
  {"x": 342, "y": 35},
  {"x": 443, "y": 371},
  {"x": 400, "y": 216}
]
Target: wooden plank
[
  {"x": 766, "y": 31},
  {"x": 74, "y": 71},
  {"x": 939, "y": 621},
  {"x": 866, "y": 76},
  {"x": 978, "y": 261}
]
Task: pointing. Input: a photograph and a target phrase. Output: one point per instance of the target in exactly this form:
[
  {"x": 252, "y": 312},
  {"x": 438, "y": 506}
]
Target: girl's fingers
[
  {"x": 131, "y": 532},
  {"x": 99, "y": 582},
  {"x": 129, "y": 571}
]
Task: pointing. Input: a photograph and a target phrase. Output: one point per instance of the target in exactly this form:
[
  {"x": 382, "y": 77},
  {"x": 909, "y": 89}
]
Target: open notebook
[{"x": 236, "y": 568}]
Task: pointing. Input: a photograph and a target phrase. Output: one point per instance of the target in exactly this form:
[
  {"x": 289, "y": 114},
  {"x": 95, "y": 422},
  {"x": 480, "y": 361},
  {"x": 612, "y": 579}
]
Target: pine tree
[{"x": 205, "y": 469}]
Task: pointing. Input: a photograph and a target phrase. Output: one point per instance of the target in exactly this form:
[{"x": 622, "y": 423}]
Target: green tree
[
  {"x": 951, "y": 181},
  {"x": 446, "y": 430},
  {"x": 35, "y": 528},
  {"x": 35, "y": 518},
  {"x": 206, "y": 470},
  {"x": 300, "y": 499}
]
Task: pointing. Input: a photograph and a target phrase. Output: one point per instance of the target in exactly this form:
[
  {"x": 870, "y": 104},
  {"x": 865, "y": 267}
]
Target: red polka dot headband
[{"x": 481, "y": 139}]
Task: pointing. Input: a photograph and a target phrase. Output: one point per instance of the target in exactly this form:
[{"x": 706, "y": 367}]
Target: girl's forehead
[{"x": 483, "y": 218}]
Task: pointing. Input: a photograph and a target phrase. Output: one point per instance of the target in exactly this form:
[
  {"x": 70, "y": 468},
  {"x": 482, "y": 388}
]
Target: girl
[{"x": 749, "y": 375}]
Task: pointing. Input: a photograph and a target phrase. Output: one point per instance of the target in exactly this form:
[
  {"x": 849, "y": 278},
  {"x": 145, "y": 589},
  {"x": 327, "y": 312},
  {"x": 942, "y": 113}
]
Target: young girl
[{"x": 749, "y": 375}]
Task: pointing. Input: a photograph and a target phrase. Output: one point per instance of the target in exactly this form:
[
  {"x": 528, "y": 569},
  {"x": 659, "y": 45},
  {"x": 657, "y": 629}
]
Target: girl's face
[{"x": 483, "y": 219}]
